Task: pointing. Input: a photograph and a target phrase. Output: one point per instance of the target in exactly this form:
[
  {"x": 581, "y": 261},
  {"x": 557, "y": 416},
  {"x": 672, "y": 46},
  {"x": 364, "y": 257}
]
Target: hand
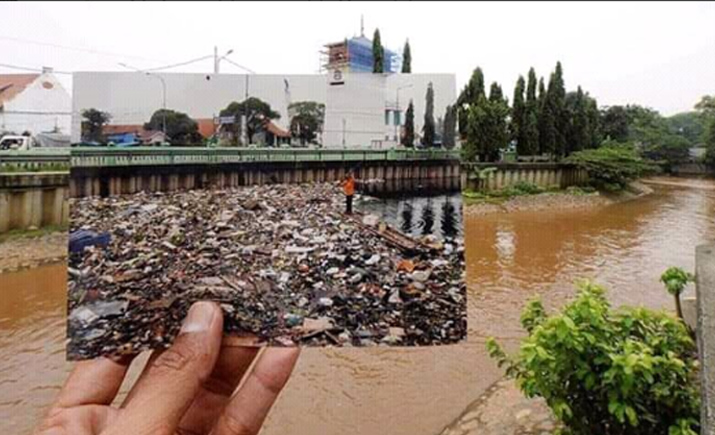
[{"x": 186, "y": 389}]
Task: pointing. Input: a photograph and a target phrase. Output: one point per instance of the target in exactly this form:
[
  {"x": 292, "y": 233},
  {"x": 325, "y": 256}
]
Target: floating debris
[{"x": 286, "y": 265}]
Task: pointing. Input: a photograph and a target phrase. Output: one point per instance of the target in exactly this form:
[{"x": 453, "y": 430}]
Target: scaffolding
[{"x": 355, "y": 55}]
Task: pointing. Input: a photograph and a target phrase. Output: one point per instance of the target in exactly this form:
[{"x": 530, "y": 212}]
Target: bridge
[{"x": 35, "y": 184}]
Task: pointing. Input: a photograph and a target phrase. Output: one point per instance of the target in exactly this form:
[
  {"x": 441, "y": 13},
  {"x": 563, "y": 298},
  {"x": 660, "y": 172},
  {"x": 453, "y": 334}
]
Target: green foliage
[
  {"x": 407, "y": 58},
  {"x": 689, "y": 125},
  {"x": 547, "y": 133},
  {"x": 408, "y": 138},
  {"x": 611, "y": 165},
  {"x": 180, "y": 128},
  {"x": 706, "y": 107},
  {"x": 606, "y": 372},
  {"x": 556, "y": 116},
  {"x": 530, "y": 137},
  {"x": 468, "y": 98},
  {"x": 581, "y": 126},
  {"x": 449, "y": 127},
  {"x": 256, "y": 111},
  {"x": 378, "y": 53},
  {"x": 92, "y": 124},
  {"x": 428, "y": 130},
  {"x": 518, "y": 119},
  {"x": 307, "y": 120},
  {"x": 614, "y": 123},
  {"x": 675, "y": 280}
]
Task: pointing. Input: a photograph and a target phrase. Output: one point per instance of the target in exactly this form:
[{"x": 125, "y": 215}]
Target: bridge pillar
[{"x": 4, "y": 211}]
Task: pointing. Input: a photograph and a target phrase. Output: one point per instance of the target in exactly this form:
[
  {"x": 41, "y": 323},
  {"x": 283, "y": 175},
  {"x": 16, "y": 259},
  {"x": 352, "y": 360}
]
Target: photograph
[{"x": 402, "y": 218}]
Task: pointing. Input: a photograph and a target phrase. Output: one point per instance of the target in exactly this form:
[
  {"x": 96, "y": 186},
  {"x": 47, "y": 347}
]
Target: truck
[{"x": 42, "y": 140}]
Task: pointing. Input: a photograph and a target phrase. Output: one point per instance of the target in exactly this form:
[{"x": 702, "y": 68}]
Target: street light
[
  {"x": 218, "y": 60},
  {"x": 163, "y": 92},
  {"x": 397, "y": 105}
]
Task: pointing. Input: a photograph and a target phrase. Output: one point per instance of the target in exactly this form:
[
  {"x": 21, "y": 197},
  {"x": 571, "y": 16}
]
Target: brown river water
[{"x": 510, "y": 257}]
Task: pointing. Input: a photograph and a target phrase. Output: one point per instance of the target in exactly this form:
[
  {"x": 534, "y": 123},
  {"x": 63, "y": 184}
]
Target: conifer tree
[
  {"x": 428, "y": 130},
  {"x": 518, "y": 118},
  {"x": 531, "y": 118},
  {"x": 378, "y": 53},
  {"x": 407, "y": 58},
  {"x": 408, "y": 139}
]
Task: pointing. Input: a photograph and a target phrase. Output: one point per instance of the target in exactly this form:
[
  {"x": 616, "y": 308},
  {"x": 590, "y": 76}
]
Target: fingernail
[{"x": 199, "y": 317}]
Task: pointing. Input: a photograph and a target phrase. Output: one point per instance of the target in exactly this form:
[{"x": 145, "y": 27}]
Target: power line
[
  {"x": 67, "y": 47},
  {"x": 22, "y": 68},
  {"x": 240, "y": 66},
  {"x": 178, "y": 64}
]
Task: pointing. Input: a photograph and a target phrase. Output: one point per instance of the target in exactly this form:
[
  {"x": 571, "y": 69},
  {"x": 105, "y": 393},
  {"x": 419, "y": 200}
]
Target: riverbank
[
  {"x": 30, "y": 249},
  {"x": 571, "y": 198},
  {"x": 504, "y": 410}
]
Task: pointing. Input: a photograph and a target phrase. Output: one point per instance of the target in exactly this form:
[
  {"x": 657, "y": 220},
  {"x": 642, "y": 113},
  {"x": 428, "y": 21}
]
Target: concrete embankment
[{"x": 26, "y": 251}]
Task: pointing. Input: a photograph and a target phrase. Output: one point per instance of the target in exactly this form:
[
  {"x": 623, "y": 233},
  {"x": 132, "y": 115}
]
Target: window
[
  {"x": 387, "y": 117},
  {"x": 397, "y": 115}
]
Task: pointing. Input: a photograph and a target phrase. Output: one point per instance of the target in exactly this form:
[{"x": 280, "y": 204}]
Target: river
[{"x": 625, "y": 246}]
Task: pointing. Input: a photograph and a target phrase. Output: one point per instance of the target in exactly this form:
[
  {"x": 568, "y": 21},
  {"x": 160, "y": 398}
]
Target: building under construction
[{"x": 355, "y": 55}]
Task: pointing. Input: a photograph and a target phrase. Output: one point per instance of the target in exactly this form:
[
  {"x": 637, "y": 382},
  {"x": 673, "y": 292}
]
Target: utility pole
[
  {"x": 343, "y": 132},
  {"x": 215, "y": 59}
]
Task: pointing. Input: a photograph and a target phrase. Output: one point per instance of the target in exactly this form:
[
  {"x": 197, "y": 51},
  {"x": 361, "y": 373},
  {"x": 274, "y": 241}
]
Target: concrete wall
[
  {"x": 546, "y": 175},
  {"x": 39, "y": 108},
  {"x": 33, "y": 200},
  {"x": 131, "y": 98},
  {"x": 693, "y": 169},
  {"x": 397, "y": 176},
  {"x": 705, "y": 288}
]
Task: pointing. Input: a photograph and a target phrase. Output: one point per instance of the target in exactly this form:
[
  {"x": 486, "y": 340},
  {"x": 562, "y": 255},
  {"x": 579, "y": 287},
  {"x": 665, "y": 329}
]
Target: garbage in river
[{"x": 287, "y": 266}]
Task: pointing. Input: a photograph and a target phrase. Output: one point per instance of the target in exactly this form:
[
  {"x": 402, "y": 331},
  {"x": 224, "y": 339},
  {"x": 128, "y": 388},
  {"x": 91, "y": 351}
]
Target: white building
[
  {"x": 360, "y": 107},
  {"x": 34, "y": 102}
]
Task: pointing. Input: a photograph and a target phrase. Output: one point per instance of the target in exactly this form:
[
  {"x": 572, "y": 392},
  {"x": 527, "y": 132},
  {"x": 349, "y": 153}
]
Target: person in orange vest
[{"x": 349, "y": 189}]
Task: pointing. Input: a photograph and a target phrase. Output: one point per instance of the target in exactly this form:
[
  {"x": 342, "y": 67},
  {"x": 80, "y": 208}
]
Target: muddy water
[{"x": 408, "y": 391}]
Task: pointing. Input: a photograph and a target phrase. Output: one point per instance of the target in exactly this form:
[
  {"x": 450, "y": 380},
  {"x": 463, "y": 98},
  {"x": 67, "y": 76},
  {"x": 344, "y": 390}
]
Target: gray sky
[{"x": 660, "y": 55}]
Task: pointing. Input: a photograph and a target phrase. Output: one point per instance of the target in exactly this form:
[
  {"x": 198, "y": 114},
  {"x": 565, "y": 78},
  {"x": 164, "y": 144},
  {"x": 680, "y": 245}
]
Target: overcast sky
[{"x": 660, "y": 55}]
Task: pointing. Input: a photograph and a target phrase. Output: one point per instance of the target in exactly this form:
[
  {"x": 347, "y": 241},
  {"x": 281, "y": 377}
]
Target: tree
[
  {"x": 469, "y": 96},
  {"x": 307, "y": 120},
  {"x": 256, "y": 112},
  {"x": 554, "y": 106},
  {"x": 407, "y": 58},
  {"x": 531, "y": 117},
  {"x": 611, "y": 166},
  {"x": 180, "y": 128},
  {"x": 518, "y": 118},
  {"x": 706, "y": 106},
  {"x": 378, "y": 53},
  {"x": 450, "y": 124},
  {"x": 428, "y": 130},
  {"x": 93, "y": 122},
  {"x": 614, "y": 123},
  {"x": 578, "y": 135},
  {"x": 408, "y": 138},
  {"x": 608, "y": 372},
  {"x": 689, "y": 125},
  {"x": 498, "y": 132},
  {"x": 547, "y": 133}
]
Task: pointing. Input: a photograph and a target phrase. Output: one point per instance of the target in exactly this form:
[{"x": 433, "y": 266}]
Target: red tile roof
[
  {"x": 206, "y": 126},
  {"x": 275, "y": 130},
  {"x": 13, "y": 84}
]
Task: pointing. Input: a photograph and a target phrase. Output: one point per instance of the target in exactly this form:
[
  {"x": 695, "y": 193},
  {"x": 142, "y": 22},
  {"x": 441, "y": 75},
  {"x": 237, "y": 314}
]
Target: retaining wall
[
  {"x": 546, "y": 175},
  {"x": 30, "y": 200}
]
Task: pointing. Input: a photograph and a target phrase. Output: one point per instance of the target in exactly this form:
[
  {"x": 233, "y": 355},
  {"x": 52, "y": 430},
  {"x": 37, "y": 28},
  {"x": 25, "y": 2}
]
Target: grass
[
  {"x": 28, "y": 234},
  {"x": 520, "y": 189},
  {"x": 50, "y": 167}
]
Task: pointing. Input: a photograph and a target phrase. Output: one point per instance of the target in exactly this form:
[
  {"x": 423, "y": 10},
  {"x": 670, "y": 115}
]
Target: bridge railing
[
  {"x": 153, "y": 156},
  {"x": 146, "y": 156}
]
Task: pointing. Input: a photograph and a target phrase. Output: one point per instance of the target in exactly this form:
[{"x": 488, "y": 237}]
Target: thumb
[{"x": 172, "y": 380}]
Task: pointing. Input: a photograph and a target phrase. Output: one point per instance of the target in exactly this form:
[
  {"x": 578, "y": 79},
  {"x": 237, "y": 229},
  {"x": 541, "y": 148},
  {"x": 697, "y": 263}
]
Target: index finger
[{"x": 94, "y": 382}]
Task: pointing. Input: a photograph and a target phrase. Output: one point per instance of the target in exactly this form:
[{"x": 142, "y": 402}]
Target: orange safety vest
[{"x": 349, "y": 186}]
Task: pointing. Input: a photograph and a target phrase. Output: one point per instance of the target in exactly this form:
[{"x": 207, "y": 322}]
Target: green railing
[{"x": 153, "y": 156}]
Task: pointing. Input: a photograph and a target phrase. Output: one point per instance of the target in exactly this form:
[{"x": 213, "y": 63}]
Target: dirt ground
[{"x": 25, "y": 251}]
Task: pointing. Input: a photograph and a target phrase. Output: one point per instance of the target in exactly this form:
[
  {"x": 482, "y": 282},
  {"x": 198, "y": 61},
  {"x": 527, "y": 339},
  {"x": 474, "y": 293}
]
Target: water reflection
[{"x": 423, "y": 214}]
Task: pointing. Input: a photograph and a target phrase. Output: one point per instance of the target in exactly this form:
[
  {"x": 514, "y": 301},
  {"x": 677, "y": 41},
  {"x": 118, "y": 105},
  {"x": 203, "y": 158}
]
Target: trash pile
[{"x": 285, "y": 263}]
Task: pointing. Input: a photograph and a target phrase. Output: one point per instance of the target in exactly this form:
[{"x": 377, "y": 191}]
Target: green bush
[
  {"x": 606, "y": 372},
  {"x": 612, "y": 166}
]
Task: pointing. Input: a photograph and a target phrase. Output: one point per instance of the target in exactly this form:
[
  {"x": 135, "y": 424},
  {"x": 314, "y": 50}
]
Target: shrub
[
  {"x": 612, "y": 166},
  {"x": 605, "y": 372}
]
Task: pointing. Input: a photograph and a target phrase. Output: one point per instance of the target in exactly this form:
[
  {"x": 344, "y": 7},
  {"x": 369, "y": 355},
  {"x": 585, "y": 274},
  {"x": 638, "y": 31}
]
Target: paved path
[{"x": 503, "y": 410}]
